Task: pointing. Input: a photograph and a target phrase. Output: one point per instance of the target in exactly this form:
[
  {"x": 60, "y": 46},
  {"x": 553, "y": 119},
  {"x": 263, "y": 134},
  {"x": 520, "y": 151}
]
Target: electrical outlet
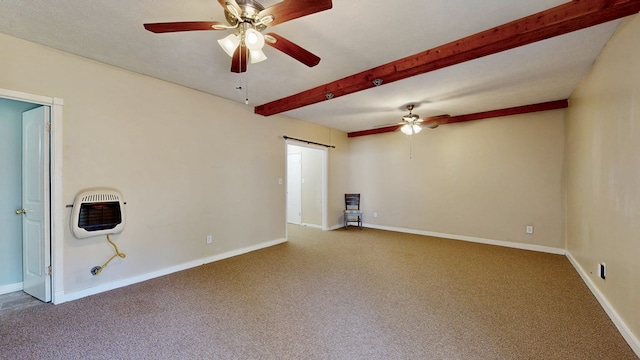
[
  {"x": 602, "y": 270},
  {"x": 209, "y": 239},
  {"x": 529, "y": 229},
  {"x": 375, "y": 214}
]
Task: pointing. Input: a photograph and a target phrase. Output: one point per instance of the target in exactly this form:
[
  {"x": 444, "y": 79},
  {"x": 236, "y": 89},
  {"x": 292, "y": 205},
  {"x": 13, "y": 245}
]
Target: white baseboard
[
  {"x": 312, "y": 226},
  {"x": 628, "y": 335},
  {"x": 523, "y": 246},
  {"x": 61, "y": 298},
  {"x": 5, "y": 289}
]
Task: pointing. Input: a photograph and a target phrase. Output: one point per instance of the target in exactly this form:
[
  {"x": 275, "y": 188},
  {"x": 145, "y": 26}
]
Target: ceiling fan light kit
[
  {"x": 229, "y": 43},
  {"x": 257, "y": 56},
  {"x": 410, "y": 129},
  {"x": 410, "y": 122},
  {"x": 254, "y": 39}
]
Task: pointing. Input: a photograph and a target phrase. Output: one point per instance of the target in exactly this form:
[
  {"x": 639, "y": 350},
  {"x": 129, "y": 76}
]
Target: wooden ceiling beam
[
  {"x": 551, "y": 105},
  {"x": 572, "y": 16},
  {"x": 375, "y": 131}
]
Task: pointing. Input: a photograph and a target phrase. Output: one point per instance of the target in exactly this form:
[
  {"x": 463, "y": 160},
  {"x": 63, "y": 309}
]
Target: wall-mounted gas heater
[{"x": 98, "y": 212}]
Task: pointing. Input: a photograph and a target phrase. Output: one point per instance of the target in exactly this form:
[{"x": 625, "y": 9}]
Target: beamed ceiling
[{"x": 467, "y": 59}]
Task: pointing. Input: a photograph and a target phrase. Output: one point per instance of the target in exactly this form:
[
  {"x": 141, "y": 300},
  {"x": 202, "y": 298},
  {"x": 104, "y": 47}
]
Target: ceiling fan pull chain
[
  {"x": 239, "y": 87},
  {"x": 410, "y": 147},
  {"x": 246, "y": 89}
]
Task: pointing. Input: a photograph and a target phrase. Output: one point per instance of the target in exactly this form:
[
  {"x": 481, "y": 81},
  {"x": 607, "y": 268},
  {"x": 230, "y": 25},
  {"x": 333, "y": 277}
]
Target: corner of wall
[{"x": 622, "y": 327}]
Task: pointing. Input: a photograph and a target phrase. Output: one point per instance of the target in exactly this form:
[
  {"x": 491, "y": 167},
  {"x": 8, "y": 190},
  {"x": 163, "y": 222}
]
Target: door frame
[
  {"x": 325, "y": 178},
  {"x": 56, "y": 210}
]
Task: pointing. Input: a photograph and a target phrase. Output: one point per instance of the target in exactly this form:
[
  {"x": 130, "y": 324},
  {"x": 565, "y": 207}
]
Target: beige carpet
[{"x": 344, "y": 294}]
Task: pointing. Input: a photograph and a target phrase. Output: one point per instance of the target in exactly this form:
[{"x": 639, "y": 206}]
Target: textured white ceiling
[{"x": 352, "y": 37}]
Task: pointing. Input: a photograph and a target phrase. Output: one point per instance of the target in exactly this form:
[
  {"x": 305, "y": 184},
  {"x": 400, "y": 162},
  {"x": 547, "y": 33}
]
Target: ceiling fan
[
  {"x": 411, "y": 123},
  {"x": 249, "y": 18}
]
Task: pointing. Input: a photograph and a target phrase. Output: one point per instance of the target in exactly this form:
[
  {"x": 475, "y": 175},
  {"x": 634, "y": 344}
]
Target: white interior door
[
  {"x": 36, "y": 246},
  {"x": 294, "y": 188}
]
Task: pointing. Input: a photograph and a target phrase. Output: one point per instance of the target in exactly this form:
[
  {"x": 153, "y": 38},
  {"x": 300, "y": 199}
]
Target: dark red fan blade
[
  {"x": 294, "y": 50},
  {"x": 434, "y": 120},
  {"x": 239, "y": 62},
  {"x": 292, "y": 9},
  {"x": 181, "y": 26}
]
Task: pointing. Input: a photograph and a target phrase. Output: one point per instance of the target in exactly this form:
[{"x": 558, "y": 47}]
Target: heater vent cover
[
  {"x": 97, "y": 212},
  {"x": 100, "y": 197}
]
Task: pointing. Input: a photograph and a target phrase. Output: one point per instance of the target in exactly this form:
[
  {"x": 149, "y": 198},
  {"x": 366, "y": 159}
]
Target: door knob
[{"x": 21, "y": 211}]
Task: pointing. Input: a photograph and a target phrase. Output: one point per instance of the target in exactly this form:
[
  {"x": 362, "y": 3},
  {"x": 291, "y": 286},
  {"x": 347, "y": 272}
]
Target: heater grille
[
  {"x": 99, "y": 215},
  {"x": 97, "y": 212},
  {"x": 100, "y": 197}
]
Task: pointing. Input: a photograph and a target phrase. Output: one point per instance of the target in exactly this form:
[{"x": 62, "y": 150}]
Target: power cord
[{"x": 96, "y": 270}]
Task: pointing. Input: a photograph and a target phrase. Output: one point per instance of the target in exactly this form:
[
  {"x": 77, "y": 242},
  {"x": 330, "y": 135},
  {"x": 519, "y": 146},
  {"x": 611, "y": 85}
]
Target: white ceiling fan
[{"x": 412, "y": 123}]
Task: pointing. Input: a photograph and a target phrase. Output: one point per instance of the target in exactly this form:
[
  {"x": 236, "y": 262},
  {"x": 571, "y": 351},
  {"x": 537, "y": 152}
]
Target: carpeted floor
[{"x": 344, "y": 294}]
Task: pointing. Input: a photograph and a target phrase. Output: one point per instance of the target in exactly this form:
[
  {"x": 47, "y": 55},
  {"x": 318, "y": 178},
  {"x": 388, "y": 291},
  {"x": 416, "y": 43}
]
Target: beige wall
[
  {"x": 603, "y": 173},
  {"x": 173, "y": 153},
  {"x": 338, "y": 181},
  {"x": 485, "y": 179}
]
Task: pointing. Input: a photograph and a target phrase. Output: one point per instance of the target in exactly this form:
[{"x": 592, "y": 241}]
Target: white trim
[
  {"x": 523, "y": 246},
  {"x": 20, "y": 96},
  {"x": 191, "y": 264},
  {"x": 312, "y": 226},
  {"x": 336, "y": 227},
  {"x": 627, "y": 334},
  {"x": 5, "y": 289},
  {"x": 56, "y": 204}
]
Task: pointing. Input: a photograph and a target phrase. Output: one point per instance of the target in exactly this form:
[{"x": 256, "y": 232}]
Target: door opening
[
  {"x": 36, "y": 239},
  {"x": 306, "y": 184},
  {"x": 39, "y": 207}
]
